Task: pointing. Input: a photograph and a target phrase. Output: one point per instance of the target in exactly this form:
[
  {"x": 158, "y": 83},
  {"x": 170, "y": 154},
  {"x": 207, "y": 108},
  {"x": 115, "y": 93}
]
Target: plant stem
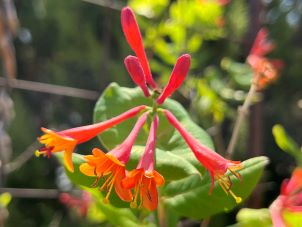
[
  {"x": 242, "y": 111},
  {"x": 205, "y": 222},
  {"x": 161, "y": 214}
]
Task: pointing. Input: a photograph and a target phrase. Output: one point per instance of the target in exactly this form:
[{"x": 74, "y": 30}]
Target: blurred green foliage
[
  {"x": 287, "y": 144},
  {"x": 253, "y": 217}
]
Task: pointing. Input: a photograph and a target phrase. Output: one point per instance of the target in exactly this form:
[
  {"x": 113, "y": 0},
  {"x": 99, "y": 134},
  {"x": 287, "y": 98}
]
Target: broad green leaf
[
  {"x": 286, "y": 143},
  {"x": 171, "y": 166},
  {"x": 190, "y": 196},
  {"x": 254, "y": 217}
]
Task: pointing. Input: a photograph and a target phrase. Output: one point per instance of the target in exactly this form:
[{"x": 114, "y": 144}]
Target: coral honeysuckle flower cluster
[
  {"x": 265, "y": 70},
  {"x": 138, "y": 186}
]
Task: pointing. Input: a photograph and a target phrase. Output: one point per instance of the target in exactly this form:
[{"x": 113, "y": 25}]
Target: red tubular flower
[
  {"x": 265, "y": 70},
  {"x": 136, "y": 72},
  {"x": 134, "y": 39},
  {"x": 67, "y": 140},
  {"x": 144, "y": 178},
  {"x": 289, "y": 200},
  {"x": 212, "y": 161},
  {"x": 178, "y": 75},
  {"x": 262, "y": 45},
  {"x": 112, "y": 164},
  {"x": 79, "y": 203}
]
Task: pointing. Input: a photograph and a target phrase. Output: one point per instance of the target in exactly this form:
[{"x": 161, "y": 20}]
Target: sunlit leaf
[
  {"x": 286, "y": 143},
  {"x": 254, "y": 217},
  {"x": 190, "y": 196}
]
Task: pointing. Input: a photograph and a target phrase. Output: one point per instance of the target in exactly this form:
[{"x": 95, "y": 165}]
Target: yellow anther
[
  {"x": 133, "y": 205},
  {"x": 38, "y": 153},
  {"x": 106, "y": 200},
  {"x": 237, "y": 198}
]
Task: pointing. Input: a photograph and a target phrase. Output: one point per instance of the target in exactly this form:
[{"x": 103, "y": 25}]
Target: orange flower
[
  {"x": 144, "y": 184},
  {"x": 265, "y": 70},
  {"x": 212, "y": 161},
  {"x": 80, "y": 203},
  {"x": 144, "y": 178},
  {"x": 67, "y": 140},
  {"x": 106, "y": 165},
  {"x": 112, "y": 164}
]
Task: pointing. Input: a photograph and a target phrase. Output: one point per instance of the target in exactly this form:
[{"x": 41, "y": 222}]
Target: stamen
[
  {"x": 223, "y": 187},
  {"x": 106, "y": 199},
  {"x": 149, "y": 196},
  {"x": 133, "y": 204},
  {"x": 38, "y": 153},
  {"x": 96, "y": 182},
  {"x": 237, "y": 198},
  {"x": 236, "y": 174},
  {"x": 46, "y": 151},
  {"x": 107, "y": 182},
  {"x": 141, "y": 200}
]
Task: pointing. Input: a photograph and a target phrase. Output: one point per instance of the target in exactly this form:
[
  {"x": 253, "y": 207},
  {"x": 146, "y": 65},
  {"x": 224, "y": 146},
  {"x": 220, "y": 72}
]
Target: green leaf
[
  {"x": 190, "y": 196},
  {"x": 254, "y": 217},
  {"x": 172, "y": 166},
  {"x": 286, "y": 143},
  {"x": 239, "y": 72}
]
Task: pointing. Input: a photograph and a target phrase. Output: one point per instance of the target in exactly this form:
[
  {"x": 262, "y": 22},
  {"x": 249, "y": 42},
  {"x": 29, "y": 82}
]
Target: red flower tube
[
  {"x": 178, "y": 75},
  {"x": 67, "y": 140},
  {"x": 112, "y": 164},
  {"x": 212, "y": 161},
  {"x": 136, "y": 72},
  {"x": 144, "y": 178},
  {"x": 262, "y": 45},
  {"x": 134, "y": 39}
]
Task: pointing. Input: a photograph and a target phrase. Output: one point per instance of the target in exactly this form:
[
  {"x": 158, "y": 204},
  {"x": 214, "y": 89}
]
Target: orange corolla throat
[
  {"x": 110, "y": 182},
  {"x": 226, "y": 183},
  {"x": 108, "y": 168},
  {"x": 265, "y": 74},
  {"x": 144, "y": 184},
  {"x": 54, "y": 142}
]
